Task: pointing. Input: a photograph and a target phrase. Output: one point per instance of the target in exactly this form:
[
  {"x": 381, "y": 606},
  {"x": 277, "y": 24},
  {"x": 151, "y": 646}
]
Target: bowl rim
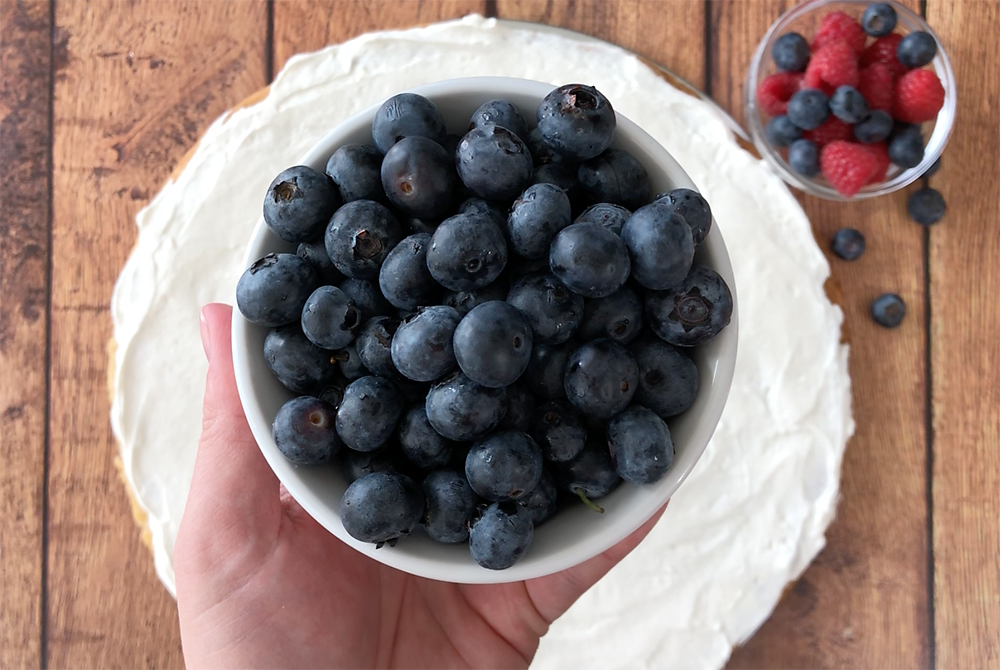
[
  {"x": 943, "y": 124},
  {"x": 723, "y": 367}
]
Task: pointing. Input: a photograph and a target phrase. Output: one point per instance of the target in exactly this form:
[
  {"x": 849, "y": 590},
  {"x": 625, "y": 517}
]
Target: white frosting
[{"x": 752, "y": 515}]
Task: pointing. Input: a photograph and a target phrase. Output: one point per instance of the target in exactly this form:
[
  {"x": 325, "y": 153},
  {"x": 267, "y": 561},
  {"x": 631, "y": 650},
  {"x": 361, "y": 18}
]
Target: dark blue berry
[
  {"x": 356, "y": 169},
  {"x": 906, "y": 149},
  {"x": 576, "y": 121},
  {"x": 668, "y": 379},
  {"x": 548, "y": 368},
  {"x": 329, "y": 318},
  {"x": 640, "y": 445},
  {"x": 875, "y": 128},
  {"x": 612, "y": 217},
  {"x": 617, "y": 177},
  {"x": 299, "y": 204},
  {"x": 888, "y": 310},
  {"x": 848, "y": 243},
  {"x": 591, "y": 475},
  {"x": 661, "y": 245},
  {"x": 879, "y": 19},
  {"x": 415, "y": 226},
  {"x": 559, "y": 431},
  {"x": 460, "y": 409},
  {"x": 561, "y": 174},
  {"x": 464, "y": 301},
  {"x": 419, "y": 178},
  {"x": 601, "y": 378},
  {"x": 935, "y": 166},
  {"x": 304, "y": 431},
  {"x": 500, "y": 112},
  {"x": 406, "y": 115},
  {"x": 693, "y": 312},
  {"x": 297, "y": 363},
  {"x": 381, "y": 507},
  {"x": 803, "y": 156},
  {"x": 334, "y": 393},
  {"x": 808, "y": 108},
  {"x": 916, "y": 49},
  {"x": 590, "y": 259},
  {"x": 404, "y": 278},
  {"x": 553, "y": 311},
  {"x": 494, "y": 163},
  {"x": 500, "y": 536},
  {"x": 274, "y": 289},
  {"x": 540, "y": 502},
  {"x": 360, "y": 235},
  {"x": 422, "y": 345},
  {"x": 484, "y": 208},
  {"x": 617, "y": 317},
  {"x": 449, "y": 506},
  {"x": 467, "y": 252},
  {"x": 357, "y": 464},
  {"x": 790, "y": 52},
  {"x": 493, "y": 344},
  {"x": 374, "y": 345},
  {"x": 848, "y": 105},
  {"x": 368, "y": 413},
  {"x": 350, "y": 363},
  {"x": 694, "y": 208},
  {"x": 420, "y": 443},
  {"x": 520, "y": 407},
  {"x": 504, "y": 466},
  {"x": 366, "y": 296},
  {"x": 781, "y": 132},
  {"x": 537, "y": 215},
  {"x": 925, "y": 206},
  {"x": 315, "y": 254},
  {"x": 542, "y": 153}
]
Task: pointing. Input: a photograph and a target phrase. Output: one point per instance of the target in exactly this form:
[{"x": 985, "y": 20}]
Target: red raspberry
[
  {"x": 775, "y": 91},
  {"x": 880, "y": 151},
  {"x": 833, "y": 129},
  {"x": 839, "y": 26},
  {"x": 875, "y": 82},
  {"x": 848, "y": 166},
  {"x": 919, "y": 97},
  {"x": 812, "y": 79},
  {"x": 834, "y": 64},
  {"x": 883, "y": 50}
]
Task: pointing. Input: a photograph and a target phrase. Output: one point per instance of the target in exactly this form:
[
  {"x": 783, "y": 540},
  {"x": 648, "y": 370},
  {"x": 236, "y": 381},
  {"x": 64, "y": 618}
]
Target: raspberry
[
  {"x": 812, "y": 79},
  {"x": 839, "y": 26},
  {"x": 883, "y": 50},
  {"x": 775, "y": 91},
  {"x": 919, "y": 96},
  {"x": 875, "y": 82},
  {"x": 832, "y": 130},
  {"x": 834, "y": 64},
  {"x": 848, "y": 167},
  {"x": 881, "y": 153}
]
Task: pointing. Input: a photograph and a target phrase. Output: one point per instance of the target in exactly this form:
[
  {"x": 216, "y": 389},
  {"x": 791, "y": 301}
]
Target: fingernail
[{"x": 206, "y": 336}]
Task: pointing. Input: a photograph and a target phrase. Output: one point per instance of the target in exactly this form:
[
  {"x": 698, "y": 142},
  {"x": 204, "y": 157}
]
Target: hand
[{"x": 261, "y": 584}]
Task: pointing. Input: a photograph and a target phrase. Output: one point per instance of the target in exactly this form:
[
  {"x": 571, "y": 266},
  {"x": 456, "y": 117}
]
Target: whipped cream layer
[{"x": 753, "y": 513}]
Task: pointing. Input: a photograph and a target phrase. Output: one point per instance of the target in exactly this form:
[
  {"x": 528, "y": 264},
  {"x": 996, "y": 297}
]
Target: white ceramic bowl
[{"x": 573, "y": 535}]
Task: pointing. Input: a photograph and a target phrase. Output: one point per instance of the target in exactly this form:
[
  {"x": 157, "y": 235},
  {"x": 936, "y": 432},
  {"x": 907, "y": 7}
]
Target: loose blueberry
[
  {"x": 553, "y": 311},
  {"x": 467, "y": 252},
  {"x": 464, "y": 301},
  {"x": 617, "y": 177},
  {"x": 493, "y": 344},
  {"x": 500, "y": 536},
  {"x": 640, "y": 444},
  {"x": 848, "y": 105},
  {"x": 356, "y": 169},
  {"x": 420, "y": 443},
  {"x": 357, "y": 464},
  {"x": 419, "y": 178},
  {"x": 329, "y": 318},
  {"x": 790, "y": 52},
  {"x": 406, "y": 115},
  {"x": 559, "y": 431},
  {"x": 694, "y": 208},
  {"x": 548, "y": 368},
  {"x": 661, "y": 245},
  {"x": 404, "y": 278},
  {"x": 540, "y": 502},
  {"x": 612, "y": 217},
  {"x": 590, "y": 476},
  {"x": 617, "y": 317},
  {"x": 576, "y": 121},
  {"x": 381, "y": 507},
  {"x": 449, "y": 506},
  {"x": 848, "y": 243},
  {"x": 504, "y": 466},
  {"x": 297, "y": 363},
  {"x": 368, "y": 413},
  {"x": 888, "y": 310},
  {"x": 537, "y": 215},
  {"x": 460, "y": 409},
  {"x": 916, "y": 49},
  {"x": 520, "y": 407},
  {"x": 926, "y": 206},
  {"x": 879, "y": 19},
  {"x": 304, "y": 431},
  {"x": 366, "y": 296},
  {"x": 601, "y": 378},
  {"x": 875, "y": 128},
  {"x": 374, "y": 345},
  {"x": 803, "y": 156},
  {"x": 299, "y": 204},
  {"x": 590, "y": 259},
  {"x": 781, "y": 132},
  {"x": 360, "y": 236},
  {"x": 494, "y": 163},
  {"x": 668, "y": 379},
  {"x": 693, "y": 312},
  {"x": 935, "y": 166},
  {"x": 274, "y": 289},
  {"x": 500, "y": 112},
  {"x": 422, "y": 345},
  {"x": 906, "y": 149},
  {"x": 315, "y": 254},
  {"x": 808, "y": 108}
]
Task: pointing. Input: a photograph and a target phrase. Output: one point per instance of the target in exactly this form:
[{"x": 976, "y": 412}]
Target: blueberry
[
  {"x": 500, "y": 536},
  {"x": 368, "y": 413},
  {"x": 296, "y": 362},
  {"x": 350, "y": 363},
  {"x": 888, "y": 310},
  {"x": 333, "y": 393},
  {"x": 449, "y": 506},
  {"x": 420, "y": 443},
  {"x": 561, "y": 174},
  {"x": 419, "y": 178},
  {"x": 848, "y": 105},
  {"x": 500, "y": 112},
  {"x": 559, "y": 431},
  {"x": 590, "y": 259},
  {"x": 916, "y": 50},
  {"x": 694, "y": 208},
  {"x": 460, "y": 409},
  {"x": 591, "y": 475},
  {"x": 617, "y": 177},
  {"x": 661, "y": 245},
  {"x": 925, "y": 206},
  {"x": 803, "y": 156},
  {"x": 329, "y": 318},
  {"x": 601, "y": 378},
  {"x": 781, "y": 132},
  {"x": 404, "y": 278},
  {"x": 808, "y": 108},
  {"x": 422, "y": 345},
  {"x": 366, "y": 296},
  {"x": 935, "y": 166},
  {"x": 374, "y": 345},
  {"x": 406, "y": 115},
  {"x": 381, "y": 507},
  {"x": 315, "y": 254},
  {"x": 617, "y": 317},
  {"x": 879, "y": 19},
  {"x": 493, "y": 344},
  {"x": 467, "y": 252},
  {"x": 520, "y": 407},
  {"x": 356, "y": 169},
  {"x": 304, "y": 431},
  {"x": 274, "y": 289},
  {"x": 668, "y": 379},
  {"x": 612, "y": 217},
  {"x": 494, "y": 163},
  {"x": 576, "y": 121},
  {"x": 547, "y": 369},
  {"x": 640, "y": 444},
  {"x": 504, "y": 466},
  {"x": 906, "y": 149},
  {"x": 790, "y": 52},
  {"x": 464, "y": 301},
  {"x": 875, "y": 128},
  {"x": 540, "y": 502},
  {"x": 415, "y": 226},
  {"x": 537, "y": 215},
  {"x": 693, "y": 312},
  {"x": 484, "y": 208},
  {"x": 553, "y": 311},
  {"x": 357, "y": 464},
  {"x": 848, "y": 243},
  {"x": 360, "y": 236},
  {"x": 299, "y": 204}
]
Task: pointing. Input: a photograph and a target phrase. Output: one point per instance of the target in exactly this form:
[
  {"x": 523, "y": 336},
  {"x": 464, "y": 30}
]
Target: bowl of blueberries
[{"x": 486, "y": 329}]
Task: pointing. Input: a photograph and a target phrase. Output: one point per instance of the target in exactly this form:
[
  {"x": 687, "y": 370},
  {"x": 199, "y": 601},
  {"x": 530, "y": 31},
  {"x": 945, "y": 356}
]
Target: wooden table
[{"x": 100, "y": 100}]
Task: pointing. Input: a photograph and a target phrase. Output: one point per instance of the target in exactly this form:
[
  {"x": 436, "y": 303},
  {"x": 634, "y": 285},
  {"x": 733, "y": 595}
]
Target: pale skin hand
[{"x": 261, "y": 584}]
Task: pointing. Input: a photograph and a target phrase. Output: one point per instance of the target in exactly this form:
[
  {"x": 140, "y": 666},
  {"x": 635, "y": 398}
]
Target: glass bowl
[{"x": 805, "y": 19}]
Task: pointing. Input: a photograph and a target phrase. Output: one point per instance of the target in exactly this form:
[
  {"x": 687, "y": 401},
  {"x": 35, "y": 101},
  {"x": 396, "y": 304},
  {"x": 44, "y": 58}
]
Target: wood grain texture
[
  {"x": 25, "y": 69},
  {"x": 307, "y": 25},
  {"x": 965, "y": 346},
  {"x": 137, "y": 86},
  {"x": 864, "y": 602}
]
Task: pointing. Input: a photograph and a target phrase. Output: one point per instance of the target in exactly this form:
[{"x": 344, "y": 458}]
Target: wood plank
[
  {"x": 965, "y": 348},
  {"x": 25, "y": 86},
  {"x": 140, "y": 82},
  {"x": 864, "y": 602},
  {"x": 308, "y": 25}
]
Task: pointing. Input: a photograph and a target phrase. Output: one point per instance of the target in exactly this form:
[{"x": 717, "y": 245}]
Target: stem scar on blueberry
[
  {"x": 517, "y": 342},
  {"x": 473, "y": 265},
  {"x": 587, "y": 501},
  {"x": 351, "y": 319},
  {"x": 267, "y": 260},
  {"x": 366, "y": 246},
  {"x": 406, "y": 187},
  {"x": 286, "y": 190}
]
